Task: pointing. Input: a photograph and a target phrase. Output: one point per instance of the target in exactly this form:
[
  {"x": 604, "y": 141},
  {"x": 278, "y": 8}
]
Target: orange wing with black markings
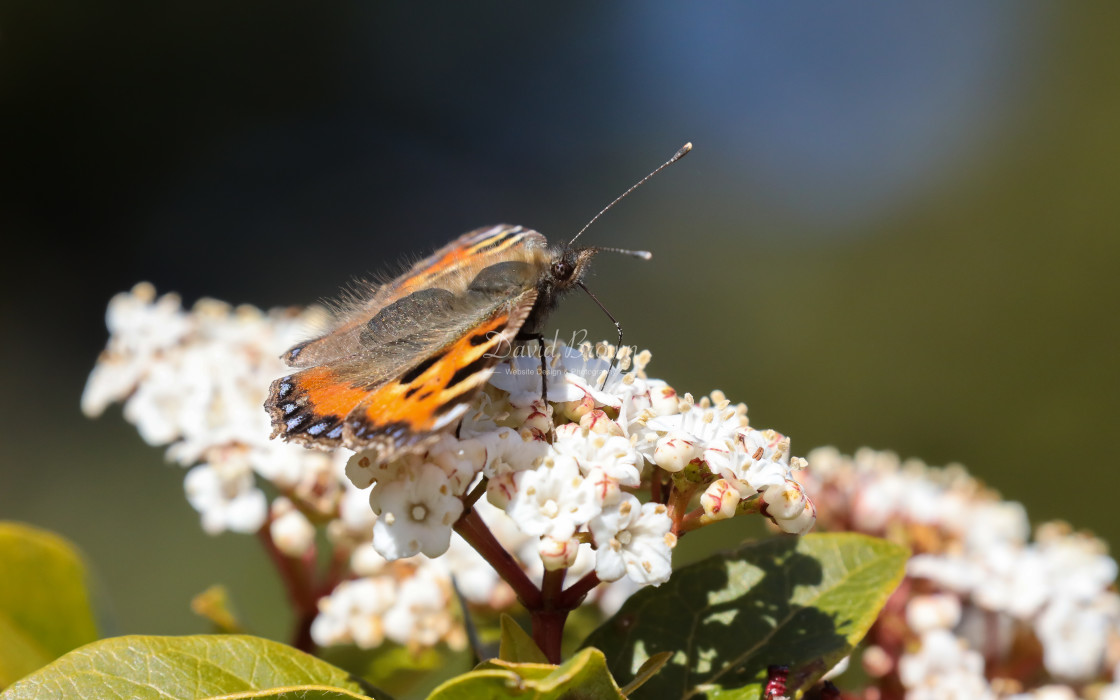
[
  {"x": 450, "y": 268},
  {"x": 403, "y": 367},
  {"x": 434, "y": 395}
]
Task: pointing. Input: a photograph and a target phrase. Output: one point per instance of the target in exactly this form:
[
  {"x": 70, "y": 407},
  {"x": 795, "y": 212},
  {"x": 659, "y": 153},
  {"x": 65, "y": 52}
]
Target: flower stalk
[{"x": 303, "y": 596}]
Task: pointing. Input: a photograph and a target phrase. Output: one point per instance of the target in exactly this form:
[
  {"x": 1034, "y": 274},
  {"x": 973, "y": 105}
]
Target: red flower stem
[
  {"x": 574, "y": 595},
  {"x": 472, "y": 528},
  {"x": 548, "y": 620},
  {"x": 548, "y": 632},
  {"x": 296, "y": 577},
  {"x": 678, "y": 505},
  {"x": 476, "y": 494},
  {"x": 552, "y": 586},
  {"x": 690, "y": 521},
  {"x": 337, "y": 568},
  {"x": 655, "y": 486}
]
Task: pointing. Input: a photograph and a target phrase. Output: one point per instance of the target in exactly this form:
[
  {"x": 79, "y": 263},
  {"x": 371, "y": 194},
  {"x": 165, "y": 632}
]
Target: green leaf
[
  {"x": 298, "y": 692},
  {"x": 585, "y": 675},
  {"x": 44, "y": 603},
  {"x": 646, "y": 671},
  {"x": 201, "y": 666},
  {"x": 517, "y": 646},
  {"x": 398, "y": 670},
  {"x": 800, "y": 602}
]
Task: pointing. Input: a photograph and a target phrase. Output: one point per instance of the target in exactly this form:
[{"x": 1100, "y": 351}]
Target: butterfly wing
[
  {"x": 448, "y": 268},
  {"x": 434, "y": 394},
  {"x": 410, "y": 365}
]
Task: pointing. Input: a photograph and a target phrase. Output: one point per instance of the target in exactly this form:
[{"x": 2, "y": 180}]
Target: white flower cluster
[
  {"x": 196, "y": 381},
  {"x": 612, "y": 430},
  {"x": 562, "y": 478},
  {"x": 981, "y": 586}
]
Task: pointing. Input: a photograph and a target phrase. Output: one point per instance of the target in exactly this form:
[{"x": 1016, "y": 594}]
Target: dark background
[{"x": 898, "y": 228}]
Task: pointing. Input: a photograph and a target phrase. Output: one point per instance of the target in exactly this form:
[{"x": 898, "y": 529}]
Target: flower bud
[
  {"x": 789, "y": 507},
  {"x": 290, "y": 530},
  {"x": 599, "y": 422},
  {"x": 719, "y": 501},
  {"x": 674, "y": 452},
  {"x": 558, "y": 553}
]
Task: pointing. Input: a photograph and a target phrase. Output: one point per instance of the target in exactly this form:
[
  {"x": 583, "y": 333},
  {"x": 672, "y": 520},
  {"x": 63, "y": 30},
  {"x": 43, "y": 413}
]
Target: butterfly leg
[
  {"x": 617, "y": 327},
  {"x": 544, "y": 377}
]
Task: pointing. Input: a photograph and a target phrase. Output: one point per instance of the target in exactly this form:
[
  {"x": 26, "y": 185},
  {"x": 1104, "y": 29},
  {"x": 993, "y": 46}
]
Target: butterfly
[{"x": 402, "y": 367}]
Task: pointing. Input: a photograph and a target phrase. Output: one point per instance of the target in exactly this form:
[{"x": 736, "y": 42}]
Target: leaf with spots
[{"x": 799, "y": 602}]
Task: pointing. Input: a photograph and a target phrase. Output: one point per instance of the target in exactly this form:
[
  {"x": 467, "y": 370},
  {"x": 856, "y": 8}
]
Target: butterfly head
[{"x": 568, "y": 266}]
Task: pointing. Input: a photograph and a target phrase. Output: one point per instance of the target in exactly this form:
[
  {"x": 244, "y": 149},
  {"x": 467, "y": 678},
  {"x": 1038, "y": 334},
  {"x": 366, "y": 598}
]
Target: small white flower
[
  {"x": 370, "y": 599},
  {"x": 486, "y": 414},
  {"x": 658, "y": 397},
  {"x": 606, "y": 488},
  {"x": 286, "y": 465},
  {"x": 705, "y": 422},
  {"x": 752, "y": 460},
  {"x": 364, "y": 560},
  {"x": 611, "y": 454},
  {"x": 366, "y": 467},
  {"x": 1075, "y": 636},
  {"x": 330, "y": 626},
  {"x": 553, "y": 499},
  {"x": 592, "y": 375},
  {"x": 645, "y": 399},
  {"x": 421, "y": 614},
  {"x": 290, "y": 529},
  {"x": 789, "y": 507},
  {"x": 416, "y": 513},
  {"x": 955, "y": 574},
  {"x": 226, "y": 501},
  {"x": 584, "y": 563},
  {"x": 925, "y": 613},
  {"x": 155, "y": 408},
  {"x": 461, "y": 460},
  {"x": 507, "y": 453},
  {"x": 635, "y": 540},
  {"x": 520, "y": 376},
  {"x": 944, "y": 667},
  {"x": 1078, "y": 566},
  {"x": 352, "y": 613},
  {"x": 141, "y": 327}
]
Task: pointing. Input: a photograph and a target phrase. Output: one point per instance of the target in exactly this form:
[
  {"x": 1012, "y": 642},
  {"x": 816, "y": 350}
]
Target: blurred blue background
[{"x": 898, "y": 227}]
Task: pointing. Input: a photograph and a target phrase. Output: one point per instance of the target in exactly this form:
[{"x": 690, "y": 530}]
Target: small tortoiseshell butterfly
[{"x": 402, "y": 367}]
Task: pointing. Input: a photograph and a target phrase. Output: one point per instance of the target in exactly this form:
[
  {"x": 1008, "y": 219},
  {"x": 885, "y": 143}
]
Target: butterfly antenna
[
  {"x": 643, "y": 254},
  {"x": 676, "y": 156}
]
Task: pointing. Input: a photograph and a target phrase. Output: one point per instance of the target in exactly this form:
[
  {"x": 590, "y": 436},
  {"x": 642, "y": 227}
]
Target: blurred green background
[{"x": 898, "y": 228}]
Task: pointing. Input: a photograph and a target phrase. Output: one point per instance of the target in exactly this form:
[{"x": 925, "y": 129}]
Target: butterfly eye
[{"x": 562, "y": 269}]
